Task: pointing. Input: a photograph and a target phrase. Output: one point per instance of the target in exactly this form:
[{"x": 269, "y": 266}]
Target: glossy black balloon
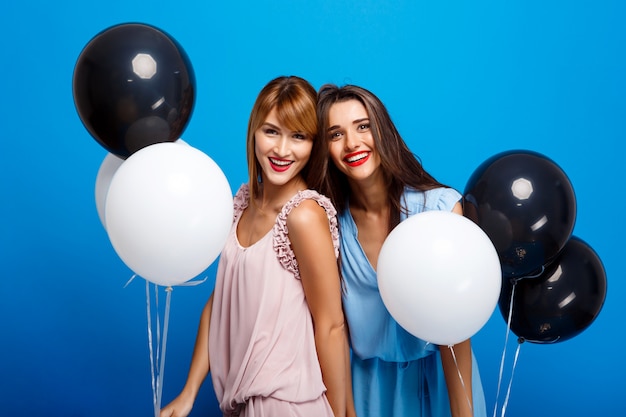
[
  {"x": 133, "y": 86},
  {"x": 562, "y": 302},
  {"x": 526, "y": 205}
]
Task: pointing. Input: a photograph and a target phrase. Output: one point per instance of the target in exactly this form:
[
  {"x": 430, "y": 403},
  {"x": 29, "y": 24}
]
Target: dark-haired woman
[{"x": 375, "y": 182}]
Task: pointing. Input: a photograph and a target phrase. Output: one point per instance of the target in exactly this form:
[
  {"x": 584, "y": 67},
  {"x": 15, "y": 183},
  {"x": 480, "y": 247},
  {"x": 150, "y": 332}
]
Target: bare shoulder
[
  {"x": 458, "y": 208},
  {"x": 307, "y": 212}
]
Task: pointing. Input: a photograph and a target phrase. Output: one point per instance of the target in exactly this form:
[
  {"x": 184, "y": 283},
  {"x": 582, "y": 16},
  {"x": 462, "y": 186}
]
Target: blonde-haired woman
[{"x": 272, "y": 334}]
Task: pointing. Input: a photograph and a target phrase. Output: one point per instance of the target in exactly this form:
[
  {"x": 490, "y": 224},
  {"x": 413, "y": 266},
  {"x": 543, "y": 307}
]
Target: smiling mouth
[
  {"x": 356, "y": 159},
  {"x": 280, "y": 165}
]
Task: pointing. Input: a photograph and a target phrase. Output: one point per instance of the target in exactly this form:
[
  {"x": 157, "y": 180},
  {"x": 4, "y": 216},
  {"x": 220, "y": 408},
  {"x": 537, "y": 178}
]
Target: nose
[
  {"x": 282, "y": 146},
  {"x": 352, "y": 141}
]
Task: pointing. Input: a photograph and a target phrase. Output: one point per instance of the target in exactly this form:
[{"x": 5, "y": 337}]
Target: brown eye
[{"x": 334, "y": 135}]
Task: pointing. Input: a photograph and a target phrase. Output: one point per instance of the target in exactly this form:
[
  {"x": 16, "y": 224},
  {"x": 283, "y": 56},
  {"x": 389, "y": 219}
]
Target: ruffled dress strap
[
  {"x": 240, "y": 201},
  {"x": 282, "y": 244}
]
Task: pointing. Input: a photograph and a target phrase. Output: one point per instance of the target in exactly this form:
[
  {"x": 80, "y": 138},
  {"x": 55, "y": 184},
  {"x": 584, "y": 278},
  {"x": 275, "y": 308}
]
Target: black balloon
[
  {"x": 562, "y": 302},
  {"x": 133, "y": 86},
  {"x": 526, "y": 205}
]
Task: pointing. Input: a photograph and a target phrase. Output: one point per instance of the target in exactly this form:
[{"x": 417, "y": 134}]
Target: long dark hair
[{"x": 400, "y": 167}]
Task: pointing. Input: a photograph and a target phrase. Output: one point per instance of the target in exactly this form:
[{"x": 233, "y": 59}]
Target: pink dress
[{"x": 261, "y": 342}]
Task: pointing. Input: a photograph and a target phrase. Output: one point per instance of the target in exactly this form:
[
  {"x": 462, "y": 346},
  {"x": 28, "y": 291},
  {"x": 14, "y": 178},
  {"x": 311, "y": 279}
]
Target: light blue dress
[{"x": 394, "y": 374}]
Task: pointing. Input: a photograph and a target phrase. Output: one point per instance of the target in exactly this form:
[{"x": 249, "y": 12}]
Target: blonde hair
[{"x": 295, "y": 102}]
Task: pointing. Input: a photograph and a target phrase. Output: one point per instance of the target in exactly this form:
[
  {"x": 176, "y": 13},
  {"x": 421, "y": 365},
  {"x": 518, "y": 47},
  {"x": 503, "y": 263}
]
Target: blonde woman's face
[{"x": 280, "y": 151}]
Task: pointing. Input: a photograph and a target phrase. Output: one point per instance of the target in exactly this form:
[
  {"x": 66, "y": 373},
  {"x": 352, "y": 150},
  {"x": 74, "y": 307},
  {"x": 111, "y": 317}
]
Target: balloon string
[
  {"x": 192, "y": 283},
  {"x": 157, "y": 361},
  {"x": 538, "y": 274},
  {"x": 506, "y": 341},
  {"x": 469, "y": 401},
  {"x": 158, "y": 337},
  {"x": 161, "y": 343},
  {"x": 130, "y": 280},
  {"x": 168, "y": 298},
  {"x": 508, "y": 392},
  {"x": 150, "y": 347}
]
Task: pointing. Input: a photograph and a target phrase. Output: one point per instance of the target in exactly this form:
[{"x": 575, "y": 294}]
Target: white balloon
[
  {"x": 439, "y": 276},
  {"x": 108, "y": 168},
  {"x": 168, "y": 212}
]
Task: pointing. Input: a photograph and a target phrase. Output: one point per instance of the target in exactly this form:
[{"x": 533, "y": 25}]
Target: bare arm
[
  {"x": 181, "y": 405},
  {"x": 459, "y": 390},
  {"x": 350, "y": 409},
  {"x": 312, "y": 244}
]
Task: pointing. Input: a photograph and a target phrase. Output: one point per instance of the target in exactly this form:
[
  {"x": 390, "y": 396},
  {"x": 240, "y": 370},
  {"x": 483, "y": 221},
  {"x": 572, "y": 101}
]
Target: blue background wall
[{"x": 463, "y": 80}]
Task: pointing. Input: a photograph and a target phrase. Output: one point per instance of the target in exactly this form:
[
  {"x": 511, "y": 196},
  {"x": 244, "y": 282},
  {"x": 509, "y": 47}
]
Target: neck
[
  {"x": 370, "y": 195},
  {"x": 274, "y": 197}
]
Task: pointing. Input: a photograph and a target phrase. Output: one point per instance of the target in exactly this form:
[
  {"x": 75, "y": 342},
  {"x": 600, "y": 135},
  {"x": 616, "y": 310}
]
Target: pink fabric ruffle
[{"x": 282, "y": 244}]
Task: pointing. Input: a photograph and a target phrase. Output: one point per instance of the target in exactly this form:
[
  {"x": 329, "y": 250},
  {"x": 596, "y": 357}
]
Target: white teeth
[
  {"x": 279, "y": 163},
  {"x": 356, "y": 157}
]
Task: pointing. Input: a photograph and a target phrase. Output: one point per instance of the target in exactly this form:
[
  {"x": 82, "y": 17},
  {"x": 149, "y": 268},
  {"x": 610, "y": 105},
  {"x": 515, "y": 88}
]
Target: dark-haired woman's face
[{"x": 350, "y": 140}]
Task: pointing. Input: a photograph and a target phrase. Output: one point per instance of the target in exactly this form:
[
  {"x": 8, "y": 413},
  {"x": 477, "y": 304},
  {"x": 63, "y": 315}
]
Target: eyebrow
[
  {"x": 272, "y": 125},
  {"x": 354, "y": 122}
]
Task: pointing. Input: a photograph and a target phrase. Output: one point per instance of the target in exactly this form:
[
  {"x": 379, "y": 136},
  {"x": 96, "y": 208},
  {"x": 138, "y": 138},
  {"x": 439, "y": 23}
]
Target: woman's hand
[{"x": 180, "y": 407}]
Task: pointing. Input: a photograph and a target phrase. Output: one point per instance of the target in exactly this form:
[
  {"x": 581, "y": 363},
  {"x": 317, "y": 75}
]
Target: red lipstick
[
  {"x": 355, "y": 159},
  {"x": 280, "y": 165}
]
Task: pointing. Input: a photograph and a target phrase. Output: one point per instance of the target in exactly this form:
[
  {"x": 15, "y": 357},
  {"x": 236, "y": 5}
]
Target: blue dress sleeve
[{"x": 441, "y": 198}]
